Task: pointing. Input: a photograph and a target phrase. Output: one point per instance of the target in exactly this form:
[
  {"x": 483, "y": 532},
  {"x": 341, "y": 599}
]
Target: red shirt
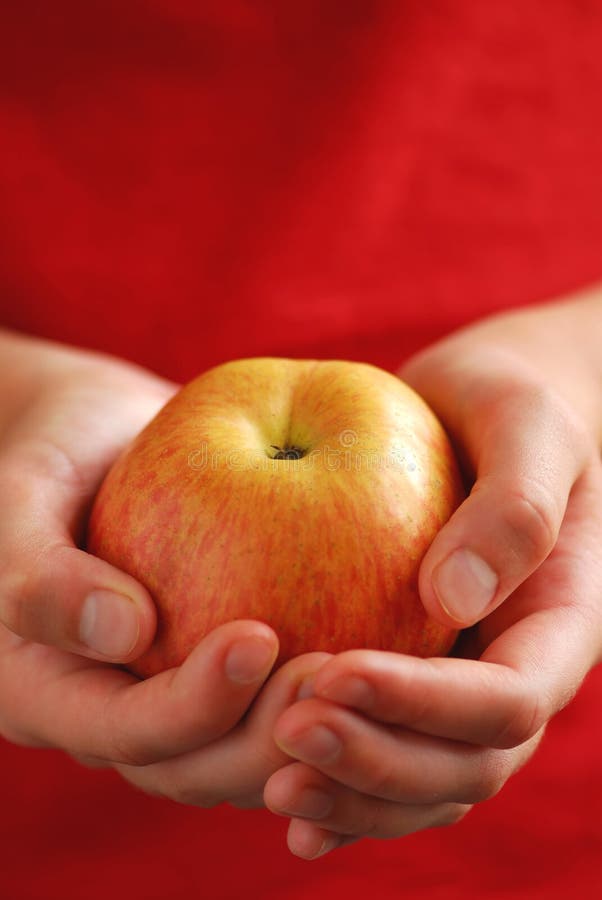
[{"x": 183, "y": 183}]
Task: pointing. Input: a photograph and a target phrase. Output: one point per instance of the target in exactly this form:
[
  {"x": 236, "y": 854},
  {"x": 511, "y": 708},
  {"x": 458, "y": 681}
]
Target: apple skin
[{"x": 324, "y": 548}]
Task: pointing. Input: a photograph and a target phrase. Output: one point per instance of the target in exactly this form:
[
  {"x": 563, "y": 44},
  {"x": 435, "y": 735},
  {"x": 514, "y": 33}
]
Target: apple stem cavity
[{"x": 287, "y": 452}]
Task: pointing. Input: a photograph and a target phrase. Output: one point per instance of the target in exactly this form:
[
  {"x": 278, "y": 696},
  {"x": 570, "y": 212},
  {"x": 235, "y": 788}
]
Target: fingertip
[
  {"x": 465, "y": 586},
  {"x": 244, "y": 651},
  {"x": 309, "y": 842},
  {"x": 76, "y": 602},
  {"x": 117, "y": 615},
  {"x": 458, "y": 582},
  {"x": 250, "y": 659},
  {"x": 277, "y": 790},
  {"x": 115, "y": 626}
]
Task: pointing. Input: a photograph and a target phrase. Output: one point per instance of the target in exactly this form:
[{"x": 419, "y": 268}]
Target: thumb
[
  {"x": 52, "y": 592},
  {"x": 526, "y": 450}
]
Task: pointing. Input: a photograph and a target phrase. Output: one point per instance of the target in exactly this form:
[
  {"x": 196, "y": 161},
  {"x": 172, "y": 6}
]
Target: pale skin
[{"x": 363, "y": 744}]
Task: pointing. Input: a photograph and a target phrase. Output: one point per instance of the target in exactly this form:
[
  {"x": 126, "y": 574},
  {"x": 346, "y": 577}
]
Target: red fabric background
[{"x": 183, "y": 183}]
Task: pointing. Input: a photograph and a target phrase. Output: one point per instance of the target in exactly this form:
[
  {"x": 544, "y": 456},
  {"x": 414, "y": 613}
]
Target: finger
[
  {"x": 309, "y": 841},
  {"x": 393, "y": 764},
  {"x": 458, "y": 699},
  {"x": 103, "y": 712},
  {"x": 50, "y": 591},
  {"x": 236, "y": 767},
  {"x": 298, "y": 791},
  {"x": 538, "y": 648},
  {"x": 54, "y": 456},
  {"x": 527, "y": 450}
]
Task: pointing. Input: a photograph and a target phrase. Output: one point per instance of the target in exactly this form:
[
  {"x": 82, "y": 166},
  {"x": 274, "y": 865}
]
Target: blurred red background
[{"x": 182, "y": 183}]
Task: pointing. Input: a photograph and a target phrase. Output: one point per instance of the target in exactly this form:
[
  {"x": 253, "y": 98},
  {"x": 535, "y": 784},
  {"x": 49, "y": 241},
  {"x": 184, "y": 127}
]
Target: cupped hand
[
  {"x": 70, "y": 418},
  {"x": 388, "y": 744},
  {"x": 200, "y": 734},
  {"x": 67, "y": 618}
]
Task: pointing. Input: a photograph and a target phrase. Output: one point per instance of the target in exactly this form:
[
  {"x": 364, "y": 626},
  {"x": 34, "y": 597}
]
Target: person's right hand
[{"x": 67, "y": 618}]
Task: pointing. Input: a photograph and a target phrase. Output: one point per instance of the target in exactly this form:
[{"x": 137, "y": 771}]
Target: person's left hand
[{"x": 389, "y": 744}]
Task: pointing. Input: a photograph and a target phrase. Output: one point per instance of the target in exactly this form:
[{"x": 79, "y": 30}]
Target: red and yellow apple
[{"x": 298, "y": 492}]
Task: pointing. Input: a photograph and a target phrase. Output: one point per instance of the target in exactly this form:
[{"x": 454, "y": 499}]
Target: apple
[{"x": 300, "y": 493}]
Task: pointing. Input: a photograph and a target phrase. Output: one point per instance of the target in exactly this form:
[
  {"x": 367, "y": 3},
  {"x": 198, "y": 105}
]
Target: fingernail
[
  {"x": 326, "y": 846},
  {"x": 109, "y": 624},
  {"x": 465, "y": 586},
  {"x": 318, "y": 745},
  {"x": 311, "y": 803},
  {"x": 351, "y": 691},
  {"x": 250, "y": 660}
]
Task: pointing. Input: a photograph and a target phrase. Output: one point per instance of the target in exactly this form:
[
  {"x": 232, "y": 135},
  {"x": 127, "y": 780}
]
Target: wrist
[
  {"x": 567, "y": 343},
  {"x": 28, "y": 364},
  {"x": 588, "y": 340},
  {"x": 560, "y": 343}
]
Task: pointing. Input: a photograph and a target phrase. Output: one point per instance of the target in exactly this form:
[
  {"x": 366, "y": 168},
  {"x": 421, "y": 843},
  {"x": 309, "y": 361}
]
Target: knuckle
[
  {"x": 490, "y": 778},
  {"x": 527, "y": 717},
  {"x": 11, "y": 601},
  {"x": 17, "y": 593},
  {"x": 125, "y": 753},
  {"x": 368, "y": 817},
  {"x": 23, "y": 588},
  {"x": 384, "y": 783},
  {"x": 119, "y": 745},
  {"x": 563, "y": 424},
  {"x": 48, "y": 459},
  {"x": 14, "y": 589},
  {"x": 532, "y": 516}
]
